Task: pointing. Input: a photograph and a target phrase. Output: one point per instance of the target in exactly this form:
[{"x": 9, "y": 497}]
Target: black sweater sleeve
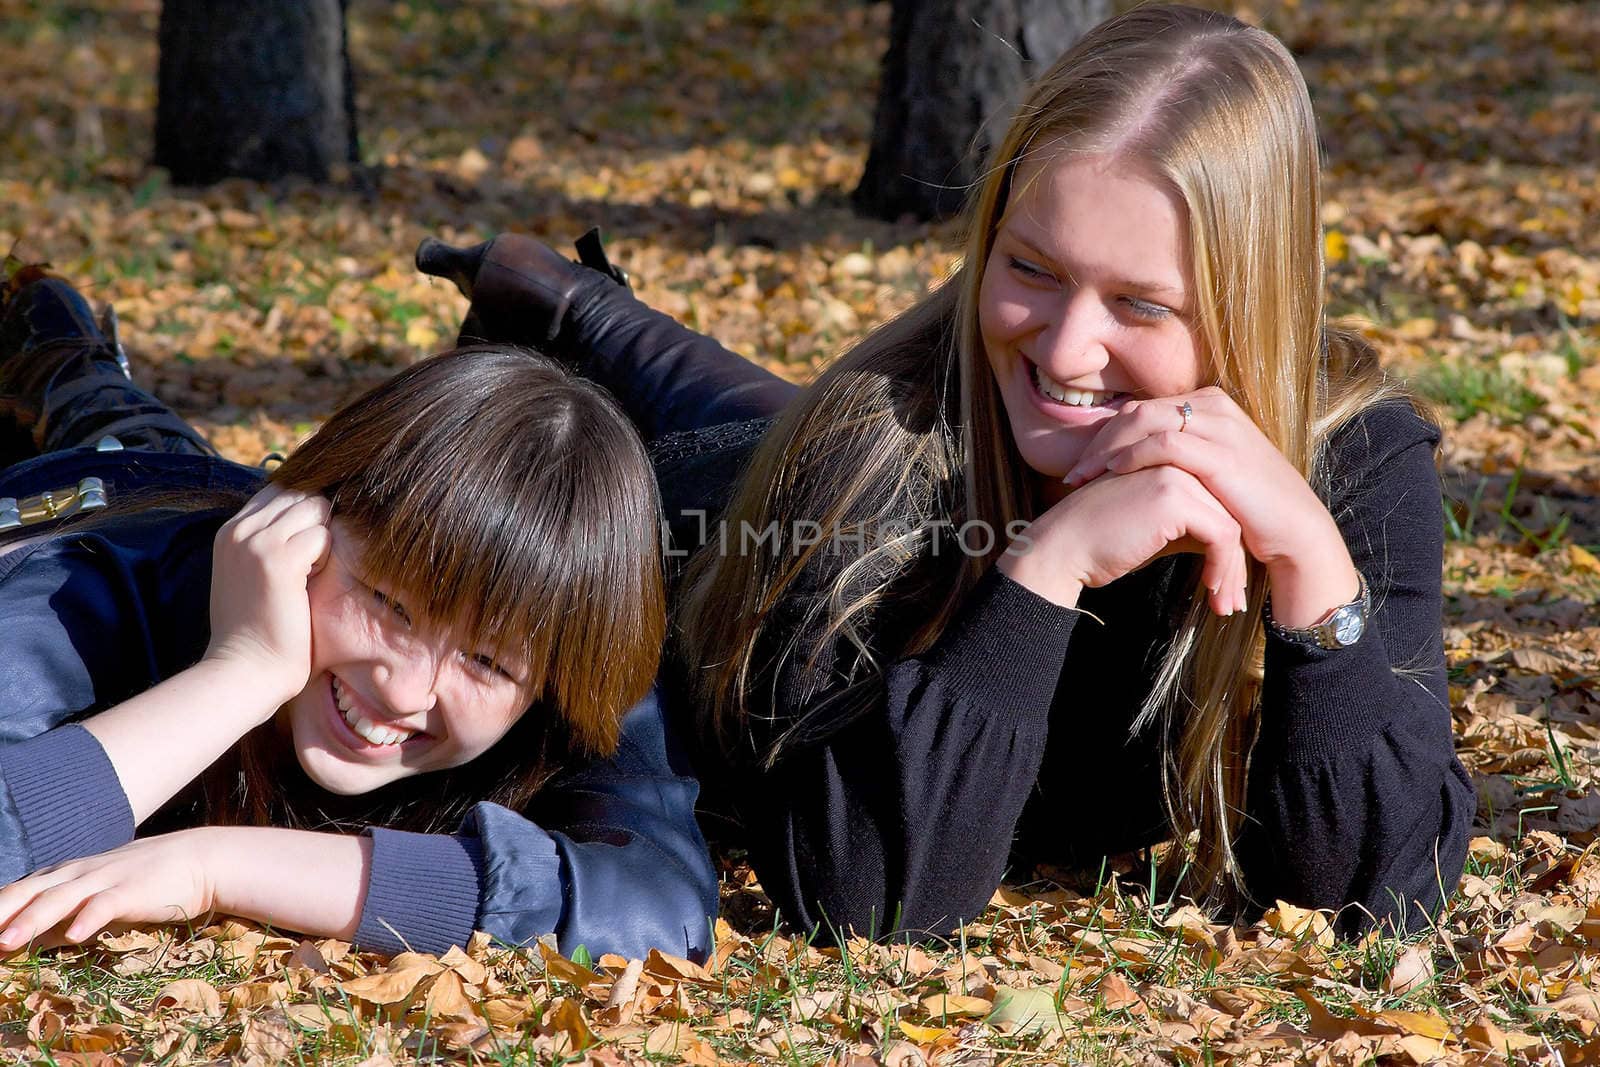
[
  {"x": 901, "y": 814},
  {"x": 1356, "y": 799}
]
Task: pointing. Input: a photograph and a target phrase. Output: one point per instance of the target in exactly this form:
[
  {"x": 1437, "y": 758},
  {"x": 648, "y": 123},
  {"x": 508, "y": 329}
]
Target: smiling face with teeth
[
  {"x": 388, "y": 697},
  {"x": 1085, "y": 304}
]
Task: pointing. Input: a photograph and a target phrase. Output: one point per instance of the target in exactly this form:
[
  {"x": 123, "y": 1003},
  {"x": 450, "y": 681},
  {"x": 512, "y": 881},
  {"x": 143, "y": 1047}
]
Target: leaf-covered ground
[{"x": 717, "y": 142}]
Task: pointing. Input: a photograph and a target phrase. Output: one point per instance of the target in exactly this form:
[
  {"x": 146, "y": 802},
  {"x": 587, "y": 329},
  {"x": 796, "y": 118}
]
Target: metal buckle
[{"x": 88, "y": 495}]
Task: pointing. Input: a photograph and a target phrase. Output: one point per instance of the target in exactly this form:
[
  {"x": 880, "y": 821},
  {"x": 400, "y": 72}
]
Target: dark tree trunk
[
  {"x": 951, "y": 79},
  {"x": 254, "y": 88}
]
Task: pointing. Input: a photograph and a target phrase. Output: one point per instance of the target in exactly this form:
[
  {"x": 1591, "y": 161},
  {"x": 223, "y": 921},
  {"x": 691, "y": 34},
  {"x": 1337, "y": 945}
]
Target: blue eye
[
  {"x": 1028, "y": 270},
  {"x": 1144, "y": 309}
]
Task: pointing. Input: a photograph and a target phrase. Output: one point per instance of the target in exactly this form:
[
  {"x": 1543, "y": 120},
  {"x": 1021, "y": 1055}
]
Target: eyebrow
[{"x": 1152, "y": 288}]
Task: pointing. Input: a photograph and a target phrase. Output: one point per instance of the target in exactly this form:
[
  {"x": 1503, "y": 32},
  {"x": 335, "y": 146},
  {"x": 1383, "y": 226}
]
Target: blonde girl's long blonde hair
[{"x": 909, "y": 425}]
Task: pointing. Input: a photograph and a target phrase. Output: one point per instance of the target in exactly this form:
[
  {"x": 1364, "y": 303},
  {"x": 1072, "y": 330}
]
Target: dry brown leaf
[
  {"x": 269, "y": 1037},
  {"x": 1300, "y": 924},
  {"x": 389, "y": 987},
  {"x": 1413, "y": 968},
  {"x": 676, "y": 968},
  {"x": 619, "y": 1006},
  {"x": 564, "y": 970},
  {"x": 566, "y": 1017},
  {"x": 447, "y": 998},
  {"x": 189, "y": 996},
  {"x": 248, "y": 996},
  {"x": 508, "y": 1013},
  {"x": 1117, "y": 995},
  {"x": 1485, "y": 1033},
  {"x": 308, "y": 956}
]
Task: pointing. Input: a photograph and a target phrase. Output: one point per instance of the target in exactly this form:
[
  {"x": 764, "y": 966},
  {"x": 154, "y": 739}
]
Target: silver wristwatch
[{"x": 1339, "y": 628}]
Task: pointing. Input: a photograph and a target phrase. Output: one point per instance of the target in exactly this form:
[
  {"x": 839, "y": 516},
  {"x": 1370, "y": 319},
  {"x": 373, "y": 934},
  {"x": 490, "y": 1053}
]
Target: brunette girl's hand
[
  {"x": 260, "y": 610},
  {"x": 1282, "y": 523},
  {"x": 1119, "y": 523},
  {"x": 151, "y": 880}
]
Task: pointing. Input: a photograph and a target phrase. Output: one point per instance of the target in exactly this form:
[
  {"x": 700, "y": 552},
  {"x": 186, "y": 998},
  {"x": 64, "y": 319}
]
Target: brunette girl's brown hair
[{"x": 511, "y": 504}]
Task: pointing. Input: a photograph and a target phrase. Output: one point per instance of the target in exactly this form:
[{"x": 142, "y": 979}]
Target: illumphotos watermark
[{"x": 934, "y": 537}]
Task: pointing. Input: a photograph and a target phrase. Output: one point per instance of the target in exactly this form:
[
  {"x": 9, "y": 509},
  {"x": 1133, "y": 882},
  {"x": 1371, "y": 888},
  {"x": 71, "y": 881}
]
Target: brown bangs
[{"x": 514, "y": 507}]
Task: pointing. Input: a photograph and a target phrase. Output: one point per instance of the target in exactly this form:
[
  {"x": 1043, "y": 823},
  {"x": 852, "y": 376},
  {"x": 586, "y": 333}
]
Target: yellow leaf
[
  {"x": 922, "y": 1035},
  {"x": 1335, "y": 246},
  {"x": 1421, "y": 1023},
  {"x": 1581, "y": 559},
  {"x": 944, "y": 1005}
]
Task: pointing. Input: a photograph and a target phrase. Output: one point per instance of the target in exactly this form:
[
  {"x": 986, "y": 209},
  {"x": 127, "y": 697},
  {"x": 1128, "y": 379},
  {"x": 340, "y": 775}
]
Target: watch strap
[{"x": 1324, "y": 632}]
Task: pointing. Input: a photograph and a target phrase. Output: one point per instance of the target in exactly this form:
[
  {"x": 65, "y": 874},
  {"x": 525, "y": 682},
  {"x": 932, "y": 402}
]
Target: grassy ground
[{"x": 717, "y": 143}]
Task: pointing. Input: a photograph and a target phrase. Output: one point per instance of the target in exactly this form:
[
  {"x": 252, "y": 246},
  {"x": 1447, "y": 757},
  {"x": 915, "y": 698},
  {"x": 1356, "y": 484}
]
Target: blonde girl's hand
[
  {"x": 260, "y": 609},
  {"x": 1282, "y": 522},
  {"x": 151, "y": 880},
  {"x": 1119, "y": 523}
]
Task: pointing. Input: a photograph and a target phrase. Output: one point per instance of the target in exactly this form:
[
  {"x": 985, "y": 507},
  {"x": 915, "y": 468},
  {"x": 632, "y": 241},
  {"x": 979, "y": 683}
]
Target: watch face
[{"x": 1348, "y": 625}]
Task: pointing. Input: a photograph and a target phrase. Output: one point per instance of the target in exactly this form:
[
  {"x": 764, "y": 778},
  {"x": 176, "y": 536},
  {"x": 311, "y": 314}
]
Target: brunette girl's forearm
[
  {"x": 312, "y": 883},
  {"x": 162, "y": 739}
]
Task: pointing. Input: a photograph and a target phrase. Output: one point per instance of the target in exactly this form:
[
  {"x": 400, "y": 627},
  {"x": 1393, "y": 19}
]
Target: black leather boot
[
  {"x": 65, "y": 382},
  {"x": 667, "y": 377}
]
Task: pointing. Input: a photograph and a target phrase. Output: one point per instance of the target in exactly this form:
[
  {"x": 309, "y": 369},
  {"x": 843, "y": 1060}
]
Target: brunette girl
[
  {"x": 1218, "y": 622},
  {"x": 431, "y": 623}
]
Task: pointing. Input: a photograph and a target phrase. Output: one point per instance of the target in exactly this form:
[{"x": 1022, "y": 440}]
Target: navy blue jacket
[{"x": 607, "y": 856}]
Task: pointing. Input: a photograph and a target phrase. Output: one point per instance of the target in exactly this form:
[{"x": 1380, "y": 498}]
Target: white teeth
[
  {"x": 1061, "y": 394},
  {"x": 365, "y": 727}
]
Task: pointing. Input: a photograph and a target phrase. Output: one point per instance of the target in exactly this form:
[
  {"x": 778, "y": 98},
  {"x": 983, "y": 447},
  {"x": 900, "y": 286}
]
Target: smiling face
[
  {"x": 389, "y": 696},
  {"x": 1085, "y": 304}
]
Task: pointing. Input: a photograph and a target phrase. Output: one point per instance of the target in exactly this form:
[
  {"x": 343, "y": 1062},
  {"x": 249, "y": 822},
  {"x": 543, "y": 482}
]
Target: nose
[
  {"x": 406, "y": 676},
  {"x": 1072, "y": 337}
]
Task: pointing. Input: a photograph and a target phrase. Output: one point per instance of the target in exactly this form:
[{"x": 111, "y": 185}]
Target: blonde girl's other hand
[
  {"x": 151, "y": 880},
  {"x": 1118, "y": 523},
  {"x": 260, "y": 609}
]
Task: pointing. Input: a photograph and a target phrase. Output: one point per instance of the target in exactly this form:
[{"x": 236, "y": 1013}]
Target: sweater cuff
[
  {"x": 1321, "y": 702},
  {"x": 67, "y": 795},
  {"x": 422, "y": 892},
  {"x": 1005, "y": 647}
]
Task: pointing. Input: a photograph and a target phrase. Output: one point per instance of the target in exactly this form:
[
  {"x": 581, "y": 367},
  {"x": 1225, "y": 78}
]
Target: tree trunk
[
  {"x": 254, "y": 88},
  {"x": 952, "y": 77}
]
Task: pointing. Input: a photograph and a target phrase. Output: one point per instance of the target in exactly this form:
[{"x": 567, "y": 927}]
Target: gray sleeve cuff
[
  {"x": 67, "y": 795},
  {"x": 422, "y": 892}
]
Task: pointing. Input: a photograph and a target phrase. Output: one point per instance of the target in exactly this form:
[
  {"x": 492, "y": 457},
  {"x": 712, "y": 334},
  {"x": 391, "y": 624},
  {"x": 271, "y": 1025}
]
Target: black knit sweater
[
  {"x": 901, "y": 806},
  {"x": 1009, "y": 739}
]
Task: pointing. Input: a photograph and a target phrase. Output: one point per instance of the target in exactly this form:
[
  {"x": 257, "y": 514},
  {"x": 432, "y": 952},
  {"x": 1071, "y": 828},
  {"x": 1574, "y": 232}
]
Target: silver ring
[{"x": 1188, "y": 413}]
